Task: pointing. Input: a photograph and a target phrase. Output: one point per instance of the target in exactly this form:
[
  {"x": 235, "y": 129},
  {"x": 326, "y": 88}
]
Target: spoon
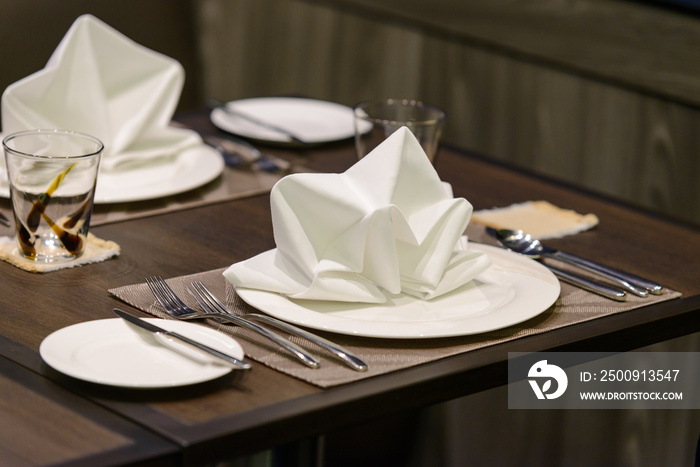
[{"x": 520, "y": 242}]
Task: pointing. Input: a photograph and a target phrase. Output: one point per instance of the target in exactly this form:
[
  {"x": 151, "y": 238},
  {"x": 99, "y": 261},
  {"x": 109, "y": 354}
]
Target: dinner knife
[
  {"x": 630, "y": 281},
  {"x": 599, "y": 288},
  {"x": 243, "y": 365}
]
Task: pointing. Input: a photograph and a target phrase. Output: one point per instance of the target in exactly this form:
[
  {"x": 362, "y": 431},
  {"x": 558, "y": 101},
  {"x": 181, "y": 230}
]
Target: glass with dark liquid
[{"x": 52, "y": 176}]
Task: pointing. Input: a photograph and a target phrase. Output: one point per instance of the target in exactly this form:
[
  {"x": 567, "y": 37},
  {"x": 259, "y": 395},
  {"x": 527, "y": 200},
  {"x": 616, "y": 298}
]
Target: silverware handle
[
  {"x": 224, "y": 356},
  {"x": 298, "y": 352},
  {"x": 348, "y": 357},
  {"x": 635, "y": 284},
  {"x": 607, "y": 291}
]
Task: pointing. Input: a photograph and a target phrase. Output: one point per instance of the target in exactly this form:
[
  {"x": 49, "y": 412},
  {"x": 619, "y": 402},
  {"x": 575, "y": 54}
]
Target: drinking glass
[
  {"x": 376, "y": 120},
  {"x": 52, "y": 176}
]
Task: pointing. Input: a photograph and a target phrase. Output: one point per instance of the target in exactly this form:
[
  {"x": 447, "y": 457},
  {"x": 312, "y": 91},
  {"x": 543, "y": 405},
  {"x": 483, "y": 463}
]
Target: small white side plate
[{"x": 115, "y": 353}]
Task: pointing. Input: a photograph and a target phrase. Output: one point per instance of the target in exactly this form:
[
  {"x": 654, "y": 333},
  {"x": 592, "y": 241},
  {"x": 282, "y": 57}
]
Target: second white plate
[
  {"x": 112, "y": 352},
  {"x": 514, "y": 289},
  {"x": 313, "y": 121}
]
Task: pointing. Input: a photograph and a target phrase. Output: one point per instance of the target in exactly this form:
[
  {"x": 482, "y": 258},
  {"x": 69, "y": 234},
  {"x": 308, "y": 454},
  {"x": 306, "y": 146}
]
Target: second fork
[
  {"x": 176, "y": 308},
  {"x": 352, "y": 360}
]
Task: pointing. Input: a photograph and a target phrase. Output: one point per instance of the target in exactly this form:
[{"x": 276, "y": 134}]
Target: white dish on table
[
  {"x": 115, "y": 353},
  {"x": 513, "y": 290},
  {"x": 313, "y": 121}
]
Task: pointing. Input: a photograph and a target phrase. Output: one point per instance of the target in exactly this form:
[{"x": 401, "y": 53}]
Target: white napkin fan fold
[
  {"x": 102, "y": 83},
  {"x": 385, "y": 226}
]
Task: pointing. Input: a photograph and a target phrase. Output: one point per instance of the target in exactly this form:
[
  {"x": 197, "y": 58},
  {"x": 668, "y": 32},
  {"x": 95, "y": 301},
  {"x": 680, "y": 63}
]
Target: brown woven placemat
[
  {"x": 232, "y": 184},
  {"x": 382, "y": 355}
]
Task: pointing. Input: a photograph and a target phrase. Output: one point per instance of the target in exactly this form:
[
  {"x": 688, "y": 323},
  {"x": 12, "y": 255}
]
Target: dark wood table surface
[{"x": 263, "y": 408}]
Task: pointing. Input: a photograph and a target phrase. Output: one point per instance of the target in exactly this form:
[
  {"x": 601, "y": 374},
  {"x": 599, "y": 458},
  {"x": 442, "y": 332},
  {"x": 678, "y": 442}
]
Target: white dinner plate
[
  {"x": 312, "y": 121},
  {"x": 115, "y": 353},
  {"x": 514, "y": 289},
  {"x": 188, "y": 170}
]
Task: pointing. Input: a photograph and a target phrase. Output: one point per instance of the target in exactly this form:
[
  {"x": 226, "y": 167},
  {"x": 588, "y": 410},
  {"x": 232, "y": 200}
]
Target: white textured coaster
[
  {"x": 540, "y": 219},
  {"x": 96, "y": 250}
]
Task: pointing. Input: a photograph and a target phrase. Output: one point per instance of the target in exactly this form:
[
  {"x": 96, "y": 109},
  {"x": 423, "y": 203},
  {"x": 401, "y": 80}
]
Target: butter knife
[
  {"x": 158, "y": 330},
  {"x": 217, "y": 104}
]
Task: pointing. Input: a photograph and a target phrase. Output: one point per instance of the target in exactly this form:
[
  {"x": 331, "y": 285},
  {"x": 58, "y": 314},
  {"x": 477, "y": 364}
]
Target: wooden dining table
[{"x": 50, "y": 418}]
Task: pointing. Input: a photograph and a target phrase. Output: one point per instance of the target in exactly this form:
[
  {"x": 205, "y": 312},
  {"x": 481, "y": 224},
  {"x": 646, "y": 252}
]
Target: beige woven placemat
[{"x": 382, "y": 355}]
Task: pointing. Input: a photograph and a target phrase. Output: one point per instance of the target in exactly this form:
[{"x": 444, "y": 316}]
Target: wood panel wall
[
  {"x": 603, "y": 93},
  {"x": 30, "y": 31}
]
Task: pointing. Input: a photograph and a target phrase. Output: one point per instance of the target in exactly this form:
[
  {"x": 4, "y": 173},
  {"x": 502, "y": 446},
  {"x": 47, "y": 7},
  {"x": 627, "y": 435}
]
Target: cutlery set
[
  {"x": 240, "y": 154},
  {"x": 211, "y": 307},
  {"x": 619, "y": 283},
  {"x": 522, "y": 243}
]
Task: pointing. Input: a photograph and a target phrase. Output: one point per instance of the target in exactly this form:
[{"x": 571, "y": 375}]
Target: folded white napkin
[
  {"x": 386, "y": 224},
  {"x": 100, "y": 82}
]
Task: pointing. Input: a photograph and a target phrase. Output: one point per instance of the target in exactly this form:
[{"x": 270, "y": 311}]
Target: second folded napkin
[
  {"x": 100, "y": 82},
  {"x": 386, "y": 225}
]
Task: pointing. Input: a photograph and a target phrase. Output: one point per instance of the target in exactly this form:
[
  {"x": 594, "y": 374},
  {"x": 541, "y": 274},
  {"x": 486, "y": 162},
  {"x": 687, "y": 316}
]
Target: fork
[
  {"x": 348, "y": 357},
  {"x": 176, "y": 308}
]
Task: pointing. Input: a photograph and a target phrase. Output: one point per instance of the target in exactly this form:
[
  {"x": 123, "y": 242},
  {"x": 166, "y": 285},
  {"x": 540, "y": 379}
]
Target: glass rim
[
  {"x": 59, "y": 132},
  {"x": 442, "y": 114}
]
